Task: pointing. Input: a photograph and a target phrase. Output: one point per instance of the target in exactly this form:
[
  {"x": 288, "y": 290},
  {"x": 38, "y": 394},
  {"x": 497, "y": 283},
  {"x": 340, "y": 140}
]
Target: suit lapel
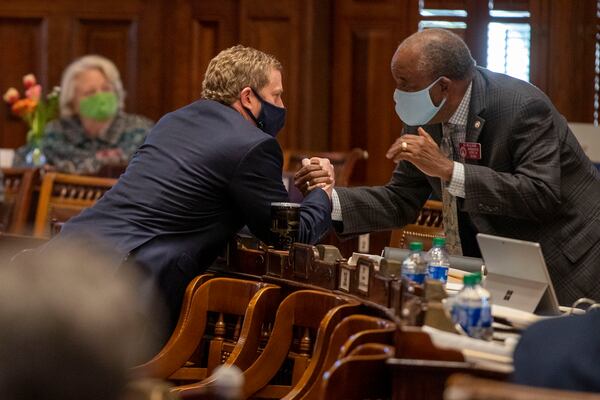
[{"x": 475, "y": 121}]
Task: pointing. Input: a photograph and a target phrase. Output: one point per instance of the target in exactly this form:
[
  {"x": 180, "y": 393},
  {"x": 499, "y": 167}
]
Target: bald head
[
  {"x": 438, "y": 60},
  {"x": 437, "y": 52}
]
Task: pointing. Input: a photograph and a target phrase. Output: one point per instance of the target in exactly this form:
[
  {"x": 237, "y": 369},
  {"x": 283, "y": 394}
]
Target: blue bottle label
[
  {"x": 418, "y": 278},
  {"x": 476, "y": 321},
  {"x": 438, "y": 273}
]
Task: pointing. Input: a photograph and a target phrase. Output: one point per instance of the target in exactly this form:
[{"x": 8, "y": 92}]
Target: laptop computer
[{"x": 517, "y": 276}]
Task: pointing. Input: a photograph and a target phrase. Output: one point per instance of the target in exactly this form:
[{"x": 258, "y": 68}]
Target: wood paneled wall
[
  {"x": 336, "y": 56},
  {"x": 44, "y": 36},
  {"x": 566, "y": 67},
  {"x": 366, "y": 36},
  {"x": 296, "y": 32}
]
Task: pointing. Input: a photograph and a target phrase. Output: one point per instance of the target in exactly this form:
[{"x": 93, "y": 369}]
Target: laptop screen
[{"x": 517, "y": 274}]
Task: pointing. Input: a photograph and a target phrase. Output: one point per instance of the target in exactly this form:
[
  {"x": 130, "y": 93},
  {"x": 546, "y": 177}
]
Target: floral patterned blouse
[{"x": 69, "y": 149}]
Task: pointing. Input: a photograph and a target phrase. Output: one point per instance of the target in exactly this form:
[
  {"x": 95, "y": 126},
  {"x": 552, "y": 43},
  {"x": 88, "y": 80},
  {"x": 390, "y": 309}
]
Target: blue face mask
[
  {"x": 416, "y": 108},
  {"x": 270, "y": 119}
]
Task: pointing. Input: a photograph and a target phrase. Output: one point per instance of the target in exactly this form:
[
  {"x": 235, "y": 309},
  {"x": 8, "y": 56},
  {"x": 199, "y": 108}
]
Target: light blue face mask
[{"x": 416, "y": 108}]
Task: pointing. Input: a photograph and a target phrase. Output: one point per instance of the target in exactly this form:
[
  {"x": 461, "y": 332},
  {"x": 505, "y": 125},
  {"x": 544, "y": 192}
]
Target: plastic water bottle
[
  {"x": 414, "y": 266},
  {"x": 438, "y": 261},
  {"x": 472, "y": 308}
]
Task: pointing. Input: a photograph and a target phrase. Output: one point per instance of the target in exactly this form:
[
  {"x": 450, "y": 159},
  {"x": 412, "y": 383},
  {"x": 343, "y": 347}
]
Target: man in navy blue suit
[
  {"x": 561, "y": 353},
  {"x": 204, "y": 172}
]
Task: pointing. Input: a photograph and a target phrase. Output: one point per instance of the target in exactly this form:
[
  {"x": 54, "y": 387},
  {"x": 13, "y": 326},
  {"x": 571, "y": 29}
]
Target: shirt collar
[{"x": 462, "y": 112}]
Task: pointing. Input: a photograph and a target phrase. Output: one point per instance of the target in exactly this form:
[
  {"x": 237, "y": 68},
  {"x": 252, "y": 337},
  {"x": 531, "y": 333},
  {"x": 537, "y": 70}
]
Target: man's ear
[
  {"x": 445, "y": 84},
  {"x": 246, "y": 97}
]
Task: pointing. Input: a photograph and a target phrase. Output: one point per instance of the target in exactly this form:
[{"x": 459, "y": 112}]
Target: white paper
[{"x": 354, "y": 259}]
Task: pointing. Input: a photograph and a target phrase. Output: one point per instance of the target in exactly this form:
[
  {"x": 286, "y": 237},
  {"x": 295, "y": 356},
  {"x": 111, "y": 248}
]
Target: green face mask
[{"x": 100, "y": 106}]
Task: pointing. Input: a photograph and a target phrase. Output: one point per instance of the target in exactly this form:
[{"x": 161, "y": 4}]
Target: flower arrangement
[{"x": 33, "y": 108}]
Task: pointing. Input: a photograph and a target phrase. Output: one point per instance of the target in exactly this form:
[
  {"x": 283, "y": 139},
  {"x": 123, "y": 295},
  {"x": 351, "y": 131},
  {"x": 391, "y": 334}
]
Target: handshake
[{"x": 315, "y": 173}]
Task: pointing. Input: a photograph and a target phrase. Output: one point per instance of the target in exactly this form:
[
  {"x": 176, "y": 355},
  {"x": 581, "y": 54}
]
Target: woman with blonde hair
[{"x": 93, "y": 129}]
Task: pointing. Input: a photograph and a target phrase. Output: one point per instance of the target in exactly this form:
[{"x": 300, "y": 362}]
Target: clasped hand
[
  {"x": 422, "y": 151},
  {"x": 315, "y": 173}
]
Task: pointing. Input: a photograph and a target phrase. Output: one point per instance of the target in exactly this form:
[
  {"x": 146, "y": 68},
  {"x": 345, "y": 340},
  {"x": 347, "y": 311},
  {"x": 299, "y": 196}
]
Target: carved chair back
[
  {"x": 363, "y": 374},
  {"x": 63, "y": 196},
  {"x": 351, "y": 332},
  {"x": 18, "y": 193},
  {"x": 303, "y": 324},
  {"x": 220, "y": 323},
  {"x": 428, "y": 225}
]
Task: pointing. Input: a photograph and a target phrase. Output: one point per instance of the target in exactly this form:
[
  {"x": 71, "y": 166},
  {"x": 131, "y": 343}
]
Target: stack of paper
[{"x": 480, "y": 352}]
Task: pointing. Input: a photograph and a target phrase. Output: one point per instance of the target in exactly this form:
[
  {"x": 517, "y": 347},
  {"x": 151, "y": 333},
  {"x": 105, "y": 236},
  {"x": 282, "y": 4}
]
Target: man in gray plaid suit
[{"x": 515, "y": 168}]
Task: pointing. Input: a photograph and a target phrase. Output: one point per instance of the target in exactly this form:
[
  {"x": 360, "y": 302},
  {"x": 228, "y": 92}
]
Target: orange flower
[
  {"x": 29, "y": 81},
  {"x": 34, "y": 109},
  {"x": 11, "y": 95},
  {"x": 24, "y": 107}
]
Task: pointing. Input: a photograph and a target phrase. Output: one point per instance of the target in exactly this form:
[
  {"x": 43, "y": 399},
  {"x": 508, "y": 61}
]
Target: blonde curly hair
[{"x": 235, "y": 68}]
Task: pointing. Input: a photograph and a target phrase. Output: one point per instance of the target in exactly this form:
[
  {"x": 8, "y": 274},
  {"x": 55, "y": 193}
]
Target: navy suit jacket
[
  {"x": 202, "y": 174},
  {"x": 561, "y": 353}
]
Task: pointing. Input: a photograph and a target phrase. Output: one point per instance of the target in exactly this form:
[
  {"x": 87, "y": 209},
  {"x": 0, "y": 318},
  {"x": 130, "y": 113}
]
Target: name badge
[{"x": 470, "y": 150}]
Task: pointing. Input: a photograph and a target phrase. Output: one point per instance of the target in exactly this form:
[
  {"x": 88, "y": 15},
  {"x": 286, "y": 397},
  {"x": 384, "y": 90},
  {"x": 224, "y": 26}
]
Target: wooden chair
[
  {"x": 467, "y": 387},
  {"x": 63, "y": 196},
  {"x": 352, "y": 332},
  {"x": 18, "y": 193},
  {"x": 221, "y": 322},
  {"x": 343, "y": 162},
  {"x": 363, "y": 374},
  {"x": 428, "y": 225},
  {"x": 301, "y": 316}
]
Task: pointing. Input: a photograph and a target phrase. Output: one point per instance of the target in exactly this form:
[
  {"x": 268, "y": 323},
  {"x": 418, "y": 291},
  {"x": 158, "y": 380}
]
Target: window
[
  {"x": 506, "y": 47},
  {"x": 509, "y": 38},
  {"x": 449, "y": 15}
]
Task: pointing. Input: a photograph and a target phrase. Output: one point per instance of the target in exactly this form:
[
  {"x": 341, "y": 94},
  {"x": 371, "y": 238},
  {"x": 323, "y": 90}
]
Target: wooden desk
[
  {"x": 415, "y": 379},
  {"x": 419, "y": 370}
]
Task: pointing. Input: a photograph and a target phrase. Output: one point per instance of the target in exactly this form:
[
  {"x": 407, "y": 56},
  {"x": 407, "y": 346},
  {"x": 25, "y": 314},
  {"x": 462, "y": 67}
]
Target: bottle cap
[
  {"x": 415, "y": 246},
  {"x": 472, "y": 279},
  {"x": 439, "y": 241}
]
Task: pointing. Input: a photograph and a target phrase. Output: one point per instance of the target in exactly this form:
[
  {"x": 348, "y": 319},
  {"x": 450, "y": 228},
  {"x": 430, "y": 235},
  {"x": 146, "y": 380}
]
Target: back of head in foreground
[{"x": 70, "y": 329}]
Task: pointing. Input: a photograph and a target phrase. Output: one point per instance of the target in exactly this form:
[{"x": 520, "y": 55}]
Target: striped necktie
[{"x": 449, "y": 208}]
